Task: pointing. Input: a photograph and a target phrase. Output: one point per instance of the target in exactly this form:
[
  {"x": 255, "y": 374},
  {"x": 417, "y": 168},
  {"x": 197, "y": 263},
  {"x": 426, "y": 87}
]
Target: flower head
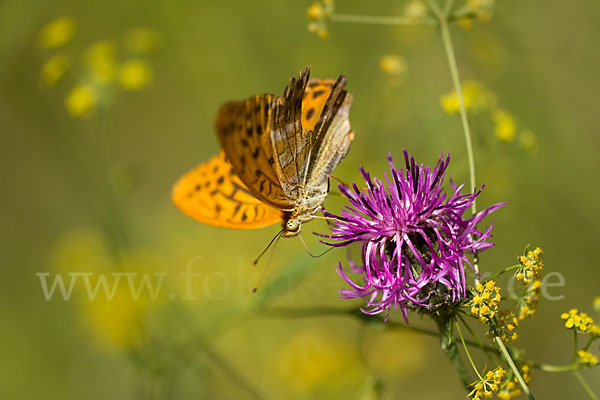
[
  {"x": 580, "y": 322},
  {"x": 413, "y": 235},
  {"x": 586, "y": 358},
  {"x": 58, "y": 32},
  {"x": 487, "y": 385}
]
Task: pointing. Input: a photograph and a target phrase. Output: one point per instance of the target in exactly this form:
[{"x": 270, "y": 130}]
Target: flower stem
[
  {"x": 462, "y": 339},
  {"x": 514, "y": 367},
  {"x": 443, "y": 21},
  {"x": 575, "y": 345},
  {"x": 377, "y": 20},
  {"x": 448, "y": 345},
  {"x": 486, "y": 349},
  {"x": 497, "y": 274},
  {"x": 555, "y": 368},
  {"x": 461, "y": 102},
  {"x": 585, "y": 385}
]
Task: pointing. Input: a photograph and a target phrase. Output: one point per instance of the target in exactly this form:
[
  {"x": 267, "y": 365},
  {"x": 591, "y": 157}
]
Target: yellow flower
[
  {"x": 318, "y": 14},
  {"x": 392, "y": 64},
  {"x": 319, "y": 29},
  {"x": 100, "y": 58},
  {"x": 141, "y": 40},
  {"x": 135, "y": 75},
  {"x": 57, "y": 33},
  {"x": 579, "y": 321},
  {"x": 54, "y": 69},
  {"x": 488, "y": 385},
  {"x": 81, "y": 101},
  {"x": 315, "y": 11},
  {"x": 394, "y": 67},
  {"x": 475, "y": 97},
  {"x": 415, "y": 10},
  {"x": 587, "y": 358},
  {"x": 511, "y": 388},
  {"x": 466, "y": 23},
  {"x": 505, "y": 127},
  {"x": 112, "y": 307},
  {"x": 528, "y": 141},
  {"x": 530, "y": 272},
  {"x": 597, "y": 304},
  {"x": 118, "y": 321},
  {"x": 312, "y": 358},
  {"x": 483, "y": 8}
]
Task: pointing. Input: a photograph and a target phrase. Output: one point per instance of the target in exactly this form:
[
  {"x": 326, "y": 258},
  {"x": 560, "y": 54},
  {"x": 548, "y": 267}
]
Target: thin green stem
[
  {"x": 486, "y": 349},
  {"x": 514, "y": 367},
  {"x": 435, "y": 8},
  {"x": 505, "y": 270},
  {"x": 377, "y": 20},
  {"x": 465, "y": 121},
  {"x": 555, "y": 368},
  {"x": 461, "y": 102},
  {"x": 575, "y": 345},
  {"x": 462, "y": 339},
  {"x": 585, "y": 385},
  {"x": 448, "y": 7}
]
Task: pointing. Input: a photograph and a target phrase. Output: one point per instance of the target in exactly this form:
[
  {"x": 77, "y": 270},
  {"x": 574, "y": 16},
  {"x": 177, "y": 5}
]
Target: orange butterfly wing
[{"x": 213, "y": 194}]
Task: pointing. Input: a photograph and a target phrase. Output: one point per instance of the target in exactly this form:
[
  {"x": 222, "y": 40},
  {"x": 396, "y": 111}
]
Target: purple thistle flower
[{"x": 413, "y": 238}]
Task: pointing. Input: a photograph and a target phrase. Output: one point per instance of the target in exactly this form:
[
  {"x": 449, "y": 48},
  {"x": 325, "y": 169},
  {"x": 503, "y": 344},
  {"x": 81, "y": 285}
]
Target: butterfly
[{"x": 278, "y": 154}]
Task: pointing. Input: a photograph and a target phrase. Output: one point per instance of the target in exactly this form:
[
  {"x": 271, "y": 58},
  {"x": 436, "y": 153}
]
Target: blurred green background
[{"x": 87, "y": 189}]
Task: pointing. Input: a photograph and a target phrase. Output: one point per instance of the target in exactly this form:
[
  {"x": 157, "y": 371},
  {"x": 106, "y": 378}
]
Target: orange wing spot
[
  {"x": 315, "y": 97},
  {"x": 211, "y": 193}
]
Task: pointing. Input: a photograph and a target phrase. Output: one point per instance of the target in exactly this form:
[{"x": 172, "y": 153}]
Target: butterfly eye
[{"x": 292, "y": 225}]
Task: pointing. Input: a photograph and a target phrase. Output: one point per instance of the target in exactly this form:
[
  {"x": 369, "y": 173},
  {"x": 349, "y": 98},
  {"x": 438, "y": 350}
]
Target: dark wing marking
[
  {"x": 244, "y": 129},
  {"x": 290, "y": 141}
]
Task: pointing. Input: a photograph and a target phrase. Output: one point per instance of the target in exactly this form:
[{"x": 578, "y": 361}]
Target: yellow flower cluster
[
  {"x": 530, "y": 273},
  {"x": 512, "y": 388},
  {"x": 141, "y": 40},
  {"x": 318, "y": 15},
  {"x": 477, "y": 9},
  {"x": 594, "y": 331},
  {"x": 505, "y": 127},
  {"x": 135, "y": 74},
  {"x": 81, "y": 100},
  {"x": 531, "y": 266},
  {"x": 394, "y": 67},
  {"x": 488, "y": 385},
  {"x": 54, "y": 69},
  {"x": 484, "y": 304},
  {"x": 57, "y": 33},
  {"x": 586, "y": 358},
  {"x": 507, "y": 324},
  {"x": 483, "y": 9},
  {"x": 101, "y": 61},
  {"x": 475, "y": 97},
  {"x": 100, "y": 67},
  {"x": 580, "y": 322},
  {"x": 415, "y": 10}
]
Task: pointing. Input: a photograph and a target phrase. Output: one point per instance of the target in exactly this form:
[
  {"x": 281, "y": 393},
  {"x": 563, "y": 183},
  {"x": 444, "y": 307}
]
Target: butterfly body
[{"x": 278, "y": 153}]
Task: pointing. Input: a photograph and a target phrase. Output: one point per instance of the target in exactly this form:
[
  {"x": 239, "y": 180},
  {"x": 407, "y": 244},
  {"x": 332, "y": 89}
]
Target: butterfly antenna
[
  {"x": 267, "y": 248},
  {"x": 311, "y": 254},
  {"x": 264, "y": 271}
]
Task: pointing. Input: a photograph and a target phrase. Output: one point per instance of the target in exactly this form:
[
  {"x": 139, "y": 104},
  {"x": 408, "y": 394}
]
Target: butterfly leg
[
  {"x": 340, "y": 181},
  {"x": 337, "y": 179}
]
